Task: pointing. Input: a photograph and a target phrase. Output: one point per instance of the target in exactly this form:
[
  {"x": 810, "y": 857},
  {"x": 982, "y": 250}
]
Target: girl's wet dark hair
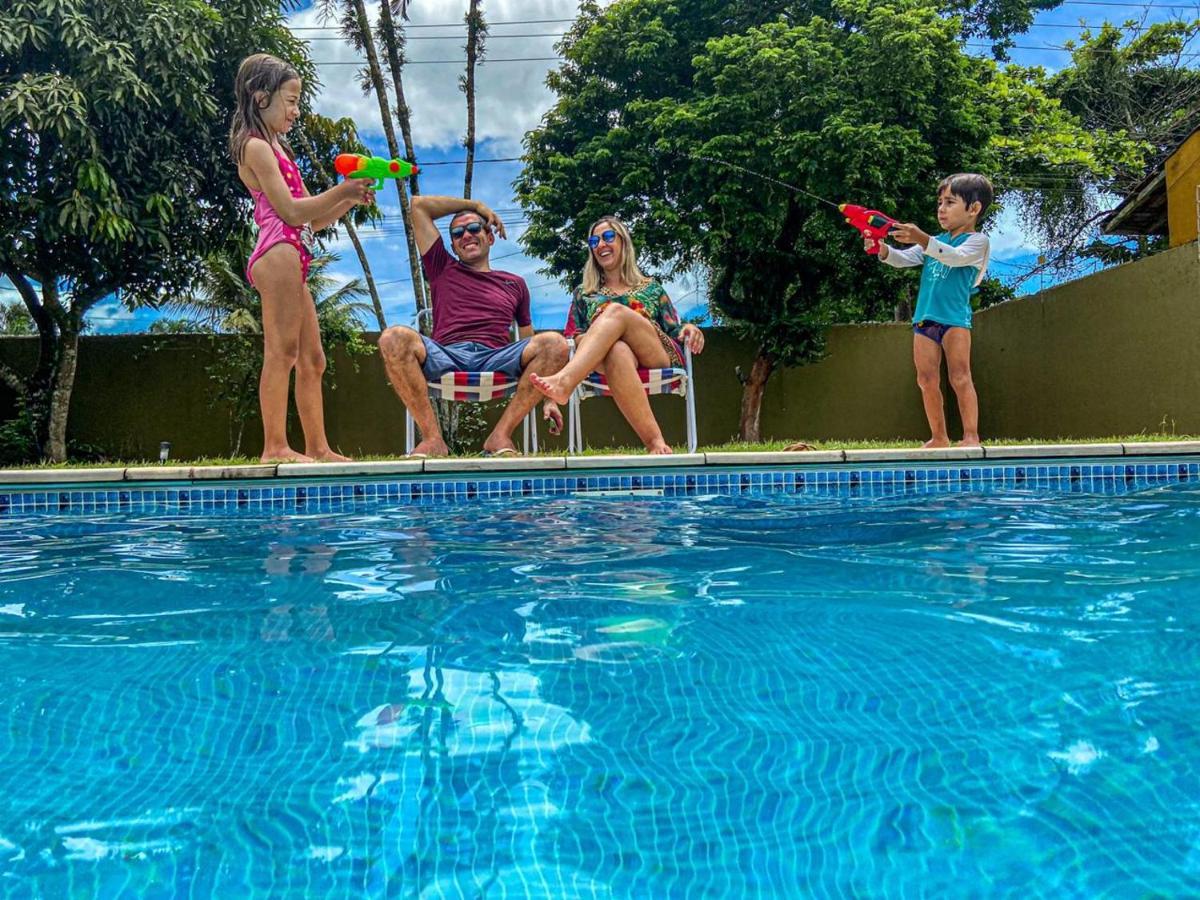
[
  {"x": 258, "y": 73},
  {"x": 970, "y": 188}
]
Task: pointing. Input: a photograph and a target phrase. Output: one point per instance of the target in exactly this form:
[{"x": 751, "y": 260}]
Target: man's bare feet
[
  {"x": 659, "y": 448},
  {"x": 329, "y": 455},
  {"x": 494, "y": 446},
  {"x": 431, "y": 447},
  {"x": 283, "y": 455},
  {"x": 934, "y": 443},
  {"x": 553, "y": 387},
  {"x": 970, "y": 440}
]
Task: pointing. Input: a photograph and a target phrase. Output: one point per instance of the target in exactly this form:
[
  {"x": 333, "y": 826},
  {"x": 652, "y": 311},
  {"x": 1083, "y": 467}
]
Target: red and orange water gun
[
  {"x": 873, "y": 225},
  {"x": 354, "y": 165}
]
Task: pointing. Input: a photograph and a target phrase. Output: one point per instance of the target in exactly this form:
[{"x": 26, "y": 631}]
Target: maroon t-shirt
[{"x": 473, "y": 306}]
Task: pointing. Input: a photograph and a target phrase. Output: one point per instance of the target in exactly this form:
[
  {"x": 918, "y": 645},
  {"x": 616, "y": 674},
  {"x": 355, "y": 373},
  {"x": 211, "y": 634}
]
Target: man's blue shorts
[{"x": 471, "y": 357}]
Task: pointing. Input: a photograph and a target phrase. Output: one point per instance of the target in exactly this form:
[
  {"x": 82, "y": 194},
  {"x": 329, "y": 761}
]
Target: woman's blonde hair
[
  {"x": 593, "y": 275},
  {"x": 260, "y": 72}
]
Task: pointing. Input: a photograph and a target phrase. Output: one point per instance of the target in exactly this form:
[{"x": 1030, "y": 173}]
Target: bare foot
[
  {"x": 329, "y": 456},
  {"x": 970, "y": 440},
  {"x": 797, "y": 447},
  {"x": 494, "y": 446},
  {"x": 431, "y": 447},
  {"x": 659, "y": 448},
  {"x": 934, "y": 443},
  {"x": 283, "y": 455},
  {"x": 553, "y": 387}
]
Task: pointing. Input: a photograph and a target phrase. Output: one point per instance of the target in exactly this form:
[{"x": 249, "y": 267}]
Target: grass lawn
[{"x": 732, "y": 447}]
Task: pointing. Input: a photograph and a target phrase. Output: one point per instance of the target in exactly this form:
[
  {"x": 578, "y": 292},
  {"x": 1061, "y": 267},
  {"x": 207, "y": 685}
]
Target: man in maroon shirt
[{"x": 474, "y": 307}]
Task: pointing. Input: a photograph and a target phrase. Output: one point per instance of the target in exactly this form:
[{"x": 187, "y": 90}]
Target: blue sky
[{"x": 512, "y": 97}]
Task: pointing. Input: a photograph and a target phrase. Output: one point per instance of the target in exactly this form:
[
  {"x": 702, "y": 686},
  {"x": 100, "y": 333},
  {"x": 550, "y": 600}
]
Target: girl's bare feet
[
  {"x": 553, "y": 387},
  {"x": 934, "y": 443},
  {"x": 284, "y": 455},
  {"x": 970, "y": 440},
  {"x": 659, "y": 448}
]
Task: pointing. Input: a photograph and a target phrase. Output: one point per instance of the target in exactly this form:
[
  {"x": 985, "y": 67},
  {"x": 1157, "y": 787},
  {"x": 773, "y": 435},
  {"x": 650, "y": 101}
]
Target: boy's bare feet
[
  {"x": 431, "y": 447},
  {"x": 659, "y": 448},
  {"x": 934, "y": 443},
  {"x": 970, "y": 440},
  {"x": 283, "y": 454},
  {"x": 553, "y": 387}
]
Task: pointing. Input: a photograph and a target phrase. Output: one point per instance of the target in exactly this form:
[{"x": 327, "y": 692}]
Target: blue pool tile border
[{"x": 1062, "y": 476}]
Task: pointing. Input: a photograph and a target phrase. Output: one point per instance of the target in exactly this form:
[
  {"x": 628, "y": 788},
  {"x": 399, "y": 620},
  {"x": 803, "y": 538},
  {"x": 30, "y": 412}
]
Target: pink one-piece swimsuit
[{"x": 272, "y": 229}]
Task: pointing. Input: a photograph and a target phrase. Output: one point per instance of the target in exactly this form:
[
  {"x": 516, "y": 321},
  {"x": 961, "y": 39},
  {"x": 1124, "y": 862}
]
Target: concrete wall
[{"x": 1115, "y": 353}]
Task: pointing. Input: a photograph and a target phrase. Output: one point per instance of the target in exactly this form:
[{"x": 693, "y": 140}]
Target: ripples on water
[{"x": 590, "y": 697}]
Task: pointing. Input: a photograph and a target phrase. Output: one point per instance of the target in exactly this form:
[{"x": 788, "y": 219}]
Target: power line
[
  {"x": 438, "y": 62},
  {"x": 490, "y": 24},
  {"x": 463, "y": 162},
  {"x": 453, "y": 37}
]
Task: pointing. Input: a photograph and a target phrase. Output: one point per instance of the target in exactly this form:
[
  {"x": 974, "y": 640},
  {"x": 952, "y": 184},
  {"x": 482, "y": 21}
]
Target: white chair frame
[{"x": 686, "y": 388}]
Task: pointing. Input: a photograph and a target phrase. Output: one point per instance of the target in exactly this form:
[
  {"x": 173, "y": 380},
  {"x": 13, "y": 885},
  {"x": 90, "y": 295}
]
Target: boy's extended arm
[
  {"x": 901, "y": 257},
  {"x": 971, "y": 252}
]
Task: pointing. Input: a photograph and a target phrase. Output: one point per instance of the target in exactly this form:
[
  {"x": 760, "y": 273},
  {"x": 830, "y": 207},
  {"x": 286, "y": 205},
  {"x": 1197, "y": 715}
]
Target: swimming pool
[{"x": 898, "y": 686}]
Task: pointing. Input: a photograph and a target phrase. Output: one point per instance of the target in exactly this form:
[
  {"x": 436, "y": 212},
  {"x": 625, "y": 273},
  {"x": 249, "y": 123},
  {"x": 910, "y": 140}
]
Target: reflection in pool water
[{"x": 751, "y": 696}]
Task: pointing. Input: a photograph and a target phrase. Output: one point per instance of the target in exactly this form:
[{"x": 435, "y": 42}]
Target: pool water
[{"x": 777, "y": 695}]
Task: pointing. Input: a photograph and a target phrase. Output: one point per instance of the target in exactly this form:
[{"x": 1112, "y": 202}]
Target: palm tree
[
  {"x": 356, "y": 27},
  {"x": 476, "y": 44}
]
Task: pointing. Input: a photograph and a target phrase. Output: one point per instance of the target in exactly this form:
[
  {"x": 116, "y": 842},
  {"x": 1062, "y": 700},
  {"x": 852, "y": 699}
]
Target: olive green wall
[{"x": 1115, "y": 353}]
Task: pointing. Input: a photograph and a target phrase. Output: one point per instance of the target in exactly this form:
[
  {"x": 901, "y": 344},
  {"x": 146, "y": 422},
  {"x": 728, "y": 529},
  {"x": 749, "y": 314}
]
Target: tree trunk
[
  {"x": 60, "y": 393},
  {"x": 393, "y": 45},
  {"x": 366, "y": 267},
  {"x": 750, "y": 425},
  {"x": 389, "y": 131},
  {"x": 475, "y": 31}
]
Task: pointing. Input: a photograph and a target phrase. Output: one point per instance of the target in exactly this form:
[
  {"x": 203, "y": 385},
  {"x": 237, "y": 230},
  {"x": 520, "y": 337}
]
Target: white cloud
[
  {"x": 1007, "y": 237},
  {"x": 511, "y": 96}
]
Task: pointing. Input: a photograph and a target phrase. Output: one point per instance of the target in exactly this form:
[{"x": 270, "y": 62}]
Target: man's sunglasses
[
  {"x": 459, "y": 230},
  {"x": 609, "y": 236}
]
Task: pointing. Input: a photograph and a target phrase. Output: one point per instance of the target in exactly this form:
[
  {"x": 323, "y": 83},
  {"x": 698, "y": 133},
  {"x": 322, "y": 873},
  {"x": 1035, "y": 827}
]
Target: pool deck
[{"x": 540, "y": 464}]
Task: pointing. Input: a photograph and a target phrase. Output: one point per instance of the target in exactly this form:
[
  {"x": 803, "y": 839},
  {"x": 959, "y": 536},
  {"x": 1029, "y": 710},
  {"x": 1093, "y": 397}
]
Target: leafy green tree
[
  {"x": 15, "y": 319},
  {"x": 1121, "y": 79},
  {"x": 113, "y": 169},
  {"x": 714, "y": 152},
  {"x": 223, "y": 303}
]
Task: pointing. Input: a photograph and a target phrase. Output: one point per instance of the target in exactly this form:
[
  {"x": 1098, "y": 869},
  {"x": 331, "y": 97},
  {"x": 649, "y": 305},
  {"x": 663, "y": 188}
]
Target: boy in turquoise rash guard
[{"x": 955, "y": 262}]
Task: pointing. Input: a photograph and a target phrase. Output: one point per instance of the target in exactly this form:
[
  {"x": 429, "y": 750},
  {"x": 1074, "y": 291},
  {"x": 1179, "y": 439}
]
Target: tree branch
[{"x": 1063, "y": 255}]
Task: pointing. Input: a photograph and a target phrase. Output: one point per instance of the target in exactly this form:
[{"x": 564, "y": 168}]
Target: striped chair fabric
[
  {"x": 655, "y": 381},
  {"x": 476, "y": 387}
]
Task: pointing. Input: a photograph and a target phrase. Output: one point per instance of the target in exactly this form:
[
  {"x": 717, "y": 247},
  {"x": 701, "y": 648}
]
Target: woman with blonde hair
[{"x": 621, "y": 320}]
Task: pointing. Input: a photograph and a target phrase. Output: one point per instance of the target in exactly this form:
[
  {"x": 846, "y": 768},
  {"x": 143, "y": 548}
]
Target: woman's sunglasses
[
  {"x": 459, "y": 230},
  {"x": 609, "y": 236}
]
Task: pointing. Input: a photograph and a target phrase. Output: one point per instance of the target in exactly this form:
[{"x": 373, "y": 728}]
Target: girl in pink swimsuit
[{"x": 267, "y": 95}]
